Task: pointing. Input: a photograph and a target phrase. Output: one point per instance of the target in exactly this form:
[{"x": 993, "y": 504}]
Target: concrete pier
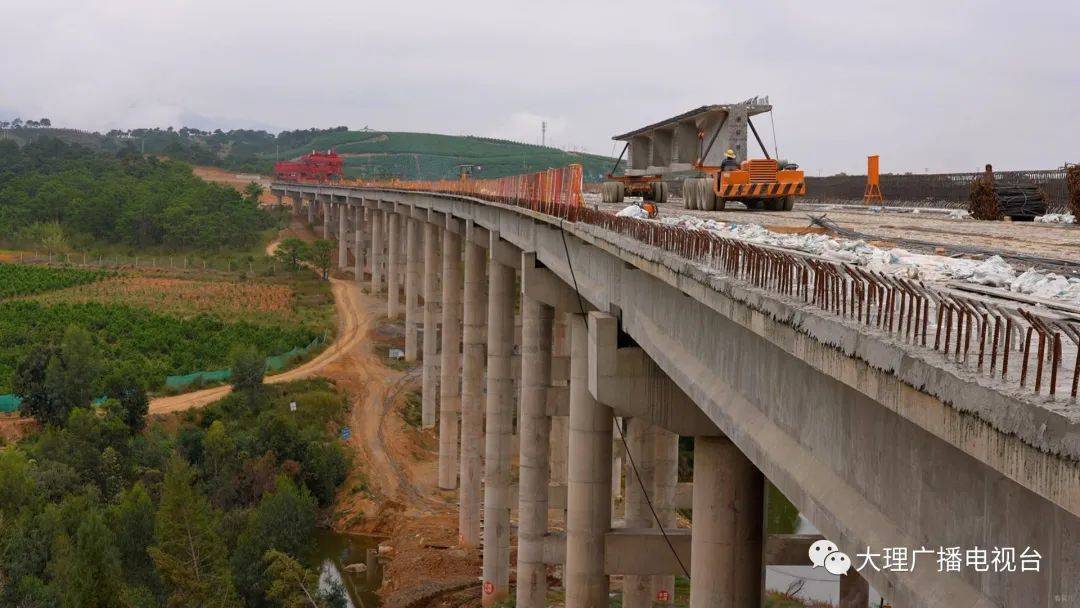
[
  {"x": 665, "y": 480},
  {"x": 310, "y": 210},
  {"x": 726, "y": 544},
  {"x": 589, "y": 483},
  {"x": 414, "y": 265},
  {"x": 328, "y": 212},
  {"x": 432, "y": 315},
  {"x": 640, "y": 436},
  {"x": 359, "y": 247},
  {"x": 450, "y": 368},
  {"x": 393, "y": 269},
  {"x": 498, "y": 441},
  {"x": 376, "y": 253},
  {"x": 474, "y": 336},
  {"x": 534, "y": 430},
  {"x": 343, "y": 243}
]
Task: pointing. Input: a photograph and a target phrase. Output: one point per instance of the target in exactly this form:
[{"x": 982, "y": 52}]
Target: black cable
[{"x": 622, "y": 435}]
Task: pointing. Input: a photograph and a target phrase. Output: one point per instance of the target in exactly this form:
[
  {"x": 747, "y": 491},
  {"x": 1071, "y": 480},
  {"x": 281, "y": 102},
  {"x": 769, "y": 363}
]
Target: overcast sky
[{"x": 928, "y": 85}]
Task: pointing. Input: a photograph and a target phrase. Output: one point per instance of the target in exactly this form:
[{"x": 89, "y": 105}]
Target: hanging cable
[
  {"x": 775, "y": 146},
  {"x": 622, "y": 435}
]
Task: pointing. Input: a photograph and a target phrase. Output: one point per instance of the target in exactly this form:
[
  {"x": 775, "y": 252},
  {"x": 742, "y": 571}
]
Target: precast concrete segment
[
  {"x": 473, "y": 353},
  {"x": 359, "y": 246},
  {"x": 665, "y": 480},
  {"x": 534, "y": 430},
  {"x": 393, "y": 270},
  {"x": 498, "y": 441},
  {"x": 450, "y": 369},
  {"x": 640, "y": 476},
  {"x": 726, "y": 542},
  {"x": 589, "y": 481},
  {"x": 343, "y": 229},
  {"x": 376, "y": 254},
  {"x": 432, "y": 311},
  {"x": 414, "y": 264}
]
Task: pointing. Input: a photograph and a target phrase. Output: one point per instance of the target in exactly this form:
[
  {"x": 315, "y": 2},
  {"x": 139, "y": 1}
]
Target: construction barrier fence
[{"x": 552, "y": 191}]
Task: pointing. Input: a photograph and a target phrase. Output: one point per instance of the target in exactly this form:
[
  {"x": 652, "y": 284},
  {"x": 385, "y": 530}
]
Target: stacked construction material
[
  {"x": 983, "y": 203},
  {"x": 1020, "y": 201},
  {"x": 1072, "y": 178}
]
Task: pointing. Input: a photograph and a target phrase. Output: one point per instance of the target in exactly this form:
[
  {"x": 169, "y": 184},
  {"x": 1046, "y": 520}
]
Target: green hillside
[{"x": 367, "y": 153}]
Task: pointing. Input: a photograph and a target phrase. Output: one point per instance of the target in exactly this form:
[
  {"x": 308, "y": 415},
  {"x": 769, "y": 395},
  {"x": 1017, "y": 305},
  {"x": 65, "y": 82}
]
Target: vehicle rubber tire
[
  {"x": 605, "y": 190},
  {"x": 620, "y": 192},
  {"x": 773, "y": 204},
  {"x": 721, "y": 203},
  {"x": 664, "y": 192},
  {"x": 789, "y": 203},
  {"x": 707, "y": 202},
  {"x": 689, "y": 201}
]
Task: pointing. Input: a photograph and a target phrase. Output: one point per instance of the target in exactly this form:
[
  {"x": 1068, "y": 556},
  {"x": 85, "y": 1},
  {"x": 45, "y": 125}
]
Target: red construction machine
[{"x": 317, "y": 166}]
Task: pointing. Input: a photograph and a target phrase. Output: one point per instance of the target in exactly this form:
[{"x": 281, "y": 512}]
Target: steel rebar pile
[
  {"x": 983, "y": 203},
  {"x": 1072, "y": 178}
]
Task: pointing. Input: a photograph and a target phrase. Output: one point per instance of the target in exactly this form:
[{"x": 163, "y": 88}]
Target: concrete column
[
  {"x": 498, "y": 441},
  {"x": 358, "y": 223},
  {"x": 559, "y": 424},
  {"x": 342, "y": 243},
  {"x": 472, "y": 394},
  {"x": 854, "y": 590},
  {"x": 450, "y": 369},
  {"x": 414, "y": 260},
  {"x": 616, "y": 465},
  {"x": 640, "y": 437},
  {"x": 665, "y": 480},
  {"x": 534, "y": 430},
  {"x": 589, "y": 483},
  {"x": 376, "y": 251},
  {"x": 726, "y": 541},
  {"x": 311, "y": 212},
  {"x": 432, "y": 313},
  {"x": 393, "y": 270},
  {"x": 328, "y": 212}
]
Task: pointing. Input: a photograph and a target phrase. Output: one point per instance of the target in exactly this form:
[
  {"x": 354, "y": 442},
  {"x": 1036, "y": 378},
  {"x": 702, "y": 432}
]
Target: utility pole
[{"x": 543, "y": 133}]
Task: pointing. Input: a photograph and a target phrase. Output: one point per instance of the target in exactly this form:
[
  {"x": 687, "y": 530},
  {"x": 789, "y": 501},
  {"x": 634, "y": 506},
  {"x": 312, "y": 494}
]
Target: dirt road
[{"x": 350, "y": 334}]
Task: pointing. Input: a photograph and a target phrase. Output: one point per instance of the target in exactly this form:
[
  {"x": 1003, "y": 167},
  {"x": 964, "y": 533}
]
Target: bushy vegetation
[
  {"x": 214, "y": 508},
  {"x": 19, "y": 280},
  {"x": 123, "y": 199},
  {"x": 152, "y": 345}
]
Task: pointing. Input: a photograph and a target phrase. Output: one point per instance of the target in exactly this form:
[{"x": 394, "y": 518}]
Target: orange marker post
[{"x": 873, "y": 180}]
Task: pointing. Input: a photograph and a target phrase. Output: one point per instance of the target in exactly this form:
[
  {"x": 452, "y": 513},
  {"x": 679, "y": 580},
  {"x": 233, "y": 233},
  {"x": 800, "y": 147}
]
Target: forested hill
[
  {"x": 58, "y": 195},
  {"x": 367, "y": 153}
]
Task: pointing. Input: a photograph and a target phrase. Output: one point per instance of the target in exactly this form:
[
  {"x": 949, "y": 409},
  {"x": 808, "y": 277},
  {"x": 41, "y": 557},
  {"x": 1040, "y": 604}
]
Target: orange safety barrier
[{"x": 553, "y": 191}]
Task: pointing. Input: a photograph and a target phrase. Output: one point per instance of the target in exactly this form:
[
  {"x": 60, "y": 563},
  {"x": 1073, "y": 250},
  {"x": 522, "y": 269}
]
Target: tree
[
  {"x": 132, "y": 519},
  {"x": 321, "y": 255},
  {"x": 86, "y": 572},
  {"x": 189, "y": 553},
  {"x": 47, "y": 235},
  {"x": 292, "y": 251},
  {"x": 293, "y": 586},
  {"x": 283, "y": 521},
  {"x": 253, "y": 191},
  {"x": 130, "y": 398},
  {"x": 54, "y": 381},
  {"x": 16, "y": 484},
  {"x": 45, "y": 122},
  {"x": 248, "y": 369}
]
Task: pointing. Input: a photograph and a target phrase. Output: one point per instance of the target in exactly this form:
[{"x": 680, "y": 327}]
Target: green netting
[
  {"x": 273, "y": 364},
  {"x": 10, "y": 403}
]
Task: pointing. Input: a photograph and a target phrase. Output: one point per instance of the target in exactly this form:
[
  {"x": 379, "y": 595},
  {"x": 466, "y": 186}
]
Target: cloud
[{"x": 979, "y": 82}]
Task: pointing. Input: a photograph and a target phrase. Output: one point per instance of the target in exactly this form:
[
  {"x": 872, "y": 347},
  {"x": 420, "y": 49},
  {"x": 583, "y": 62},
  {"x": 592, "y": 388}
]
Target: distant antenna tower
[{"x": 543, "y": 133}]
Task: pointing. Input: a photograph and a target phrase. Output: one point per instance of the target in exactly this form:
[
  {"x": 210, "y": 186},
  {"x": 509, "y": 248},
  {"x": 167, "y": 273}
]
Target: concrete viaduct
[{"x": 561, "y": 341}]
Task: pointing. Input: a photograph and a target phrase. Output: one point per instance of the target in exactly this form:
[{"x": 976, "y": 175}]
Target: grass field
[{"x": 17, "y": 279}]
